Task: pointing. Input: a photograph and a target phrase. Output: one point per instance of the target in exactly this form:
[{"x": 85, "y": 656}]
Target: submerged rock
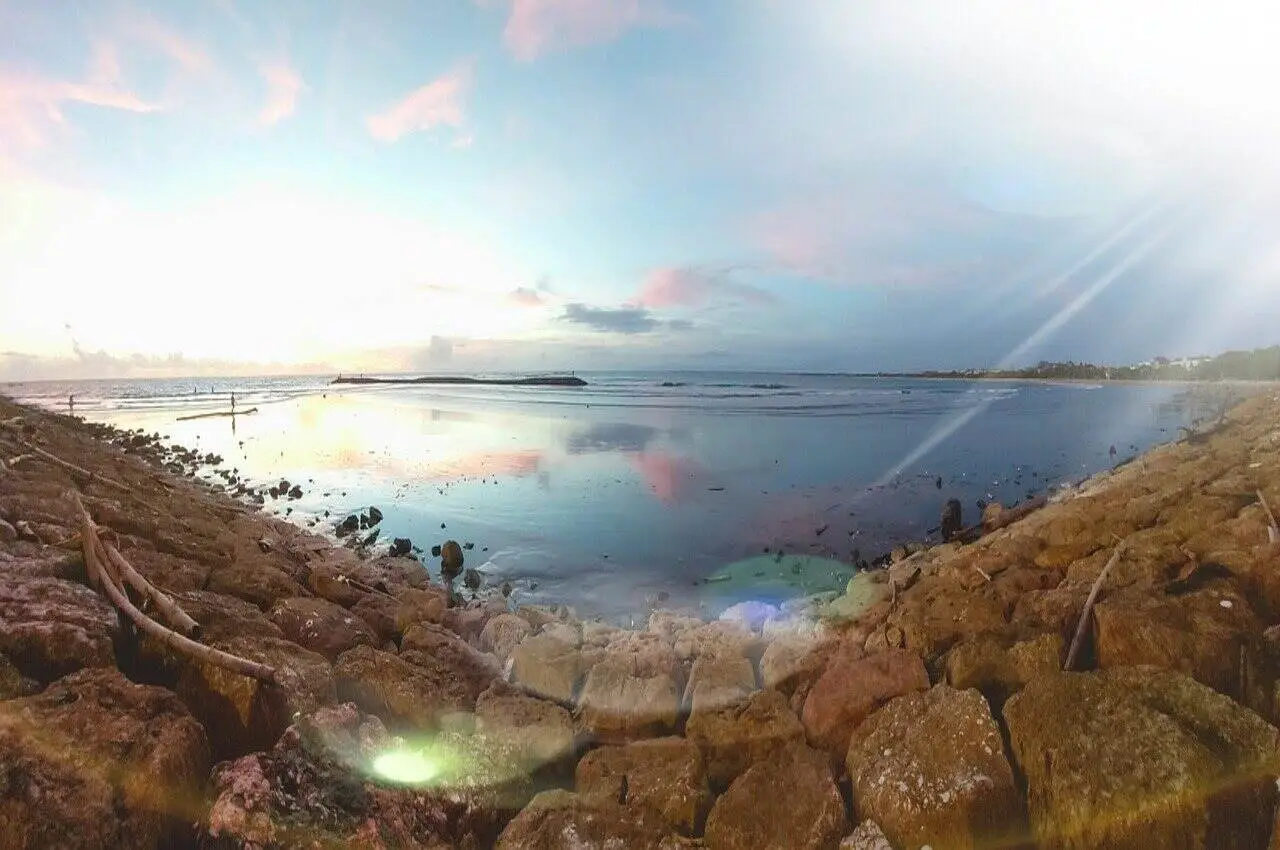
[
  {"x": 97, "y": 761},
  {"x": 1140, "y": 757}
]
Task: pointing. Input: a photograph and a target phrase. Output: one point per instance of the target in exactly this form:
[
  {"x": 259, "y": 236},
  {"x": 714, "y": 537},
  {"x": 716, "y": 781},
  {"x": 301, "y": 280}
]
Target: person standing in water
[
  {"x": 71, "y": 405},
  {"x": 233, "y": 404}
]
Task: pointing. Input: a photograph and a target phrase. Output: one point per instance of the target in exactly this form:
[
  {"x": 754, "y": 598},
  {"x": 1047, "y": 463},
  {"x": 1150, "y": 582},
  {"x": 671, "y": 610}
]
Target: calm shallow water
[{"x": 607, "y": 496}]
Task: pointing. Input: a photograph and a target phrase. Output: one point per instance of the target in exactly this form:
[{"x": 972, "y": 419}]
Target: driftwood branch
[
  {"x": 1078, "y": 639},
  {"x": 104, "y": 571}
]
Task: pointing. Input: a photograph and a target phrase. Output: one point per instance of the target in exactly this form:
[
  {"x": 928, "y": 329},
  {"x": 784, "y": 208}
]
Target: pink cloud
[
  {"x": 526, "y": 297},
  {"x": 536, "y": 27},
  {"x": 441, "y": 102},
  {"x": 30, "y": 107},
  {"x": 284, "y": 84},
  {"x": 164, "y": 39},
  {"x": 667, "y": 476},
  {"x": 687, "y": 286}
]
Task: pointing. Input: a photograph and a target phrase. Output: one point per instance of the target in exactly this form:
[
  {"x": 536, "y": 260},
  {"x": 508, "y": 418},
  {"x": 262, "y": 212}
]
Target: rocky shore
[{"x": 926, "y": 706}]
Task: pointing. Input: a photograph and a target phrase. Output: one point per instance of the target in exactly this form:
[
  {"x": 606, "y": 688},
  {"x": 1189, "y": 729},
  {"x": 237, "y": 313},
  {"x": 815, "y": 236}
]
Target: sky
[{"x": 233, "y": 187}]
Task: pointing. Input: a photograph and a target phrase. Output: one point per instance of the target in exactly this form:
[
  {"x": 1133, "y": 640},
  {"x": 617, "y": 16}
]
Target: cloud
[
  {"x": 689, "y": 286},
  {"x": 537, "y": 27},
  {"x": 441, "y": 102},
  {"x": 162, "y": 38},
  {"x": 284, "y": 84},
  {"x": 623, "y": 320},
  {"x": 31, "y": 107},
  {"x": 526, "y": 297}
]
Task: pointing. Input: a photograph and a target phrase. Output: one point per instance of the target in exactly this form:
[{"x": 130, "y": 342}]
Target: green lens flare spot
[{"x": 406, "y": 767}]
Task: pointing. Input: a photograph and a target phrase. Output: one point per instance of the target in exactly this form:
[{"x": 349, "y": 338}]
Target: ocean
[{"x": 658, "y": 488}]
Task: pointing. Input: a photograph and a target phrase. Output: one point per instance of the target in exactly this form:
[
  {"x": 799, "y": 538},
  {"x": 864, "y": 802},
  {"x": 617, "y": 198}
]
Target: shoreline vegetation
[
  {"x": 548, "y": 381},
  {"x": 1258, "y": 365},
  {"x": 387, "y": 711}
]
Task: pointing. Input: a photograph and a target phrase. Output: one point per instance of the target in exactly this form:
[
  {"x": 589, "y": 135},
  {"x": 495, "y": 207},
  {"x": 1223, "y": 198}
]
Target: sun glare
[{"x": 406, "y": 767}]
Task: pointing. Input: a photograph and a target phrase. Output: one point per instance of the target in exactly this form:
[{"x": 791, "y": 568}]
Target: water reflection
[{"x": 611, "y": 437}]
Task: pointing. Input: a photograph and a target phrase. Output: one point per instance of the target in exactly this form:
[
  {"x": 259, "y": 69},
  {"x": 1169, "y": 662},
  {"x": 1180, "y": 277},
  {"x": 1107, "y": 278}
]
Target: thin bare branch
[{"x": 1078, "y": 639}]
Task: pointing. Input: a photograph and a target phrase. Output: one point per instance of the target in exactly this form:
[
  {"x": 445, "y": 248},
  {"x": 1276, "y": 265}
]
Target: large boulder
[
  {"x": 716, "y": 681},
  {"x": 557, "y": 820},
  {"x": 321, "y": 626},
  {"x": 1210, "y": 634},
  {"x": 791, "y": 803},
  {"x": 665, "y": 775},
  {"x": 936, "y": 614},
  {"x": 930, "y": 769},
  {"x": 243, "y": 714},
  {"x": 445, "y": 654},
  {"x": 254, "y": 580},
  {"x": 97, "y": 761},
  {"x": 548, "y": 664},
  {"x": 503, "y": 633},
  {"x": 617, "y": 706},
  {"x": 850, "y": 689},
  {"x": 50, "y": 627},
  {"x": 403, "y": 694},
  {"x": 168, "y": 572},
  {"x": 1141, "y": 757},
  {"x": 539, "y": 732},
  {"x": 421, "y": 605},
  {"x": 732, "y": 738},
  {"x": 337, "y": 778},
  {"x": 999, "y": 665}
]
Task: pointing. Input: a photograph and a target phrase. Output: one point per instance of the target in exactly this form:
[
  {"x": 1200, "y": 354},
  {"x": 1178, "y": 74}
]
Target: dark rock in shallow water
[
  {"x": 472, "y": 579},
  {"x": 435, "y": 551},
  {"x": 348, "y": 525},
  {"x": 296, "y": 492},
  {"x": 375, "y": 516},
  {"x": 450, "y": 560},
  {"x": 401, "y": 546},
  {"x": 952, "y": 519}
]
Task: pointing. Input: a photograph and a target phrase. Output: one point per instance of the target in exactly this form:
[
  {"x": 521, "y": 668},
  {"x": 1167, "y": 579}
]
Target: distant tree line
[{"x": 1261, "y": 364}]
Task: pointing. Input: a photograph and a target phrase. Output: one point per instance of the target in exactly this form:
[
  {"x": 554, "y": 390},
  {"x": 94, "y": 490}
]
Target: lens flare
[{"x": 406, "y": 767}]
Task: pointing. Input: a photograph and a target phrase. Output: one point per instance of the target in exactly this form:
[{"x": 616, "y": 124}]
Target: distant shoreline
[
  {"x": 561, "y": 381},
  {"x": 1006, "y": 379}
]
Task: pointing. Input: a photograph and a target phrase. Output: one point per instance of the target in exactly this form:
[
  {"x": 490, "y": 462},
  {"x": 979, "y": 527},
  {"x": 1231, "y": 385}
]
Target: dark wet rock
[
  {"x": 734, "y": 737},
  {"x": 97, "y": 761},
  {"x": 50, "y": 627},
  {"x": 401, "y": 546},
  {"x": 472, "y": 578},
  {"x": 664, "y": 775},
  {"x": 435, "y": 551},
  {"x": 321, "y": 626},
  {"x": 539, "y": 732},
  {"x": 1140, "y": 757},
  {"x": 315, "y": 788},
  {"x": 370, "y": 538},
  {"x": 348, "y": 526},
  {"x": 930, "y": 769},
  {"x": 952, "y": 520},
  {"x": 295, "y": 492},
  {"x": 450, "y": 560},
  {"x": 850, "y": 689},
  {"x": 374, "y": 517},
  {"x": 242, "y": 714},
  {"x": 556, "y": 820},
  {"x": 790, "y": 803}
]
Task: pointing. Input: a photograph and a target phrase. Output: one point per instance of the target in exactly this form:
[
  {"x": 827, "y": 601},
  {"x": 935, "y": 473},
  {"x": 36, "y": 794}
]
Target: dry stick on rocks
[
  {"x": 170, "y": 610},
  {"x": 95, "y": 549},
  {"x": 101, "y": 570},
  {"x": 1273, "y": 530},
  {"x": 1088, "y": 606}
]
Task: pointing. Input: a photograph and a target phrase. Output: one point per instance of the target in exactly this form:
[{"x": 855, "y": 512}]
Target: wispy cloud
[
  {"x": 537, "y": 27},
  {"x": 690, "y": 286},
  {"x": 284, "y": 84},
  {"x": 441, "y": 102},
  {"x": 32, "y": 106},
  {"x": 166, "y": 40}
]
